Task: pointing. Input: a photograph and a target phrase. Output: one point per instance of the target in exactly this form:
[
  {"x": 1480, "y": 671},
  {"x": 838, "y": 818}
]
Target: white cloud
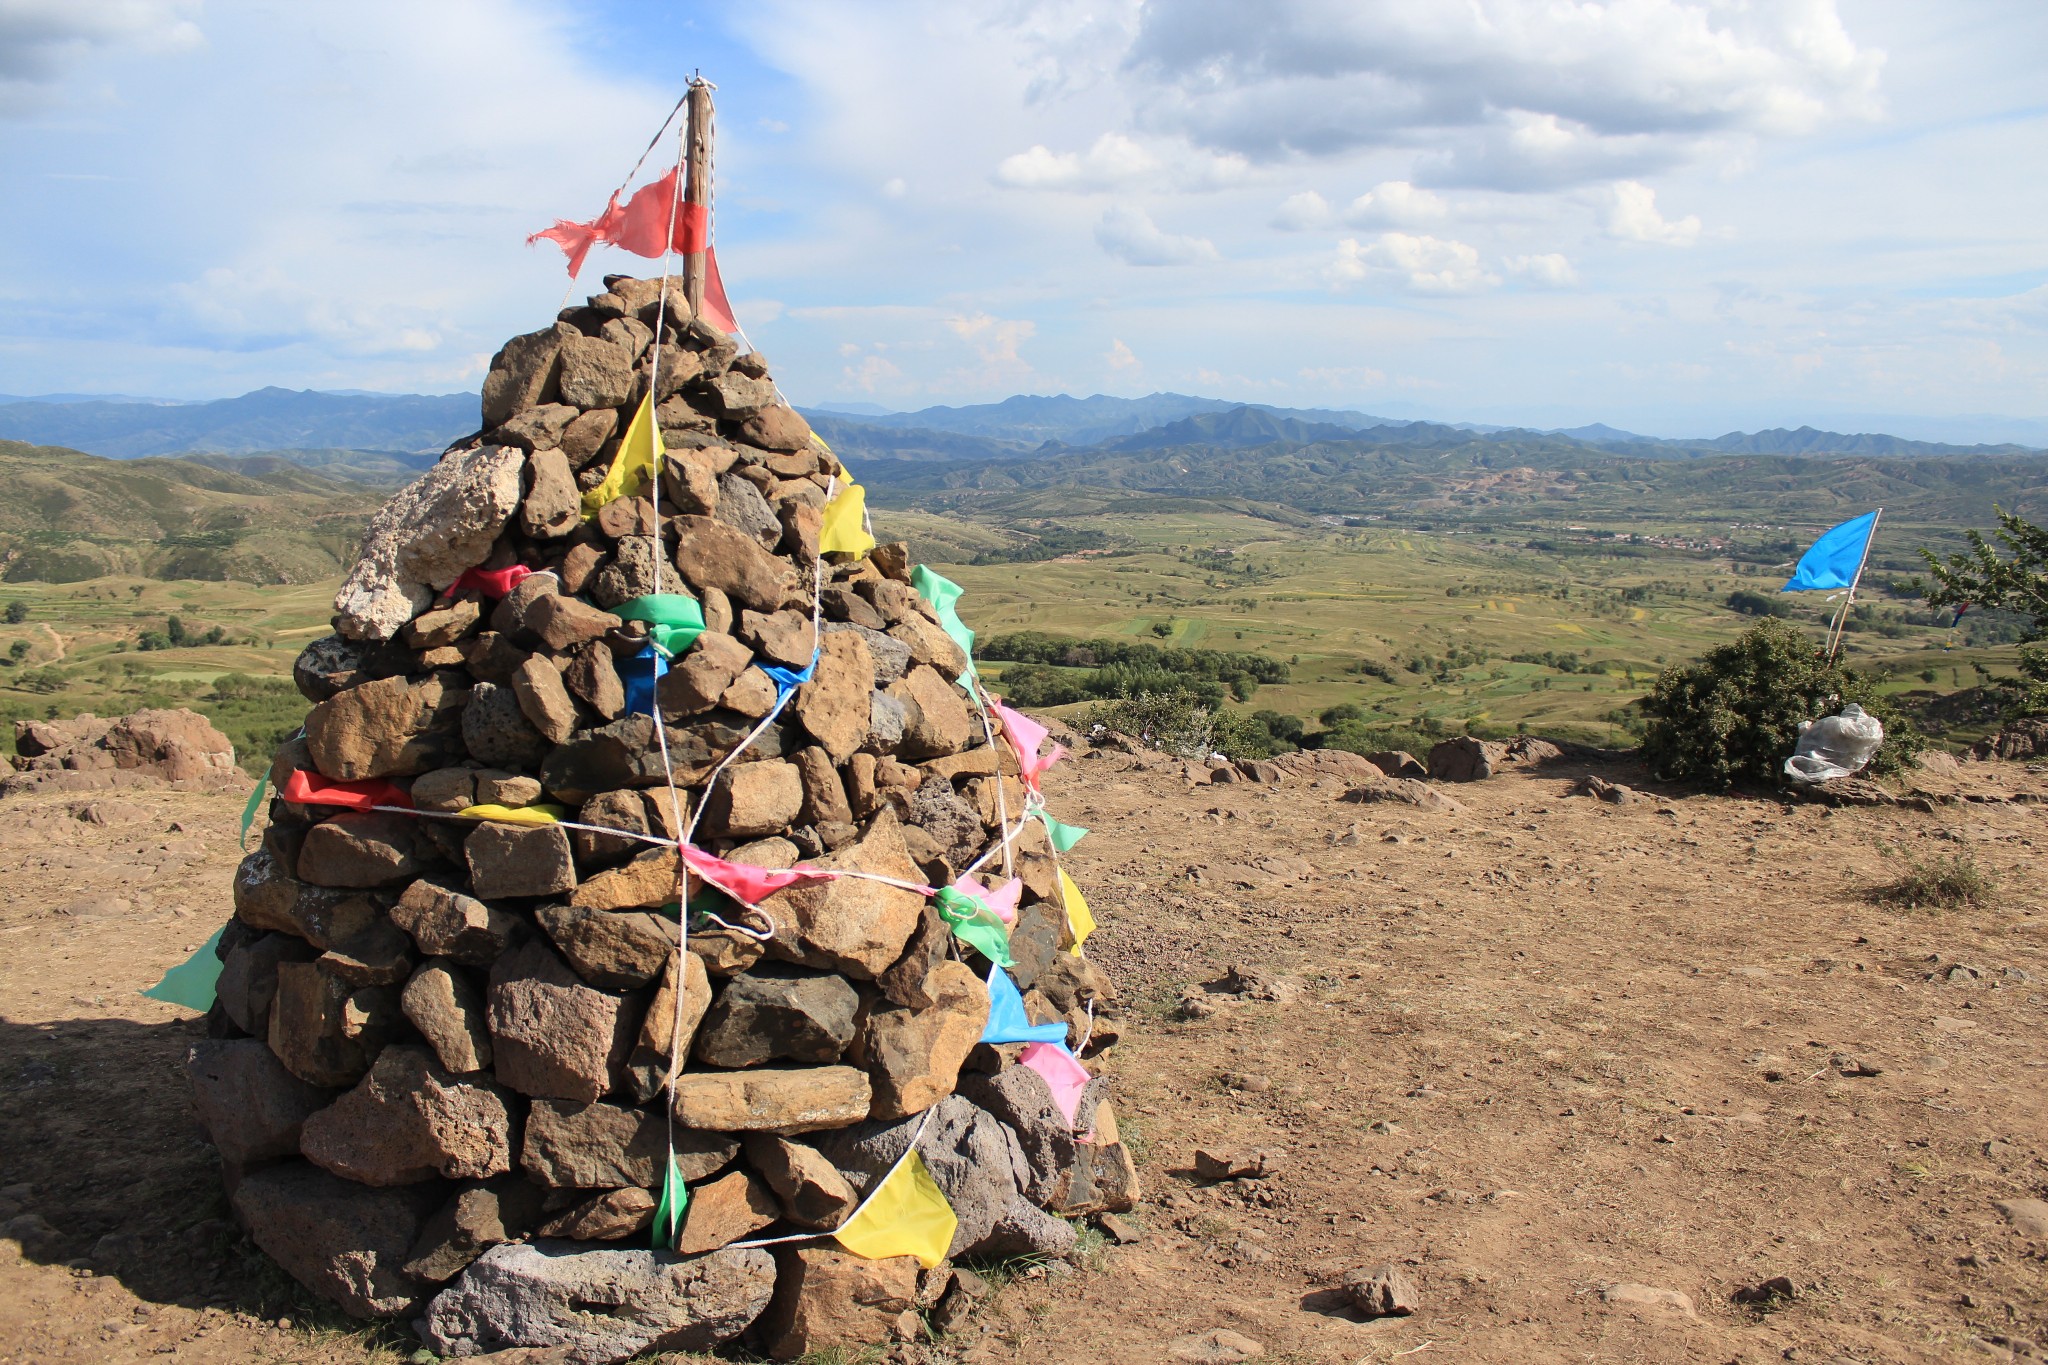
[
  {"x": 1291, "y": 78},
  {"x": 1130, "y": 235},
  {"x": 1114, "y": 162},
  {"x": 873, "y": 374},
  {"x": 1632, "y": 216},
  {"x": 894, "y": 187},
  {"x": 1427, "y": 265},
  {"x": 1303, "y": 211},
  {"x": 42, "y": 42},
  {"x": 1120, "y": 357},
  {"x": 1396, "y": 203},
  {"x": 1550, "y": 269}
]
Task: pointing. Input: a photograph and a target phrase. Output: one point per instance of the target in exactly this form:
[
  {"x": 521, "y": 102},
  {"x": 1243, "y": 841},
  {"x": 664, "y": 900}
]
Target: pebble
[
  {"x": 1219, "y": 1347},
  {"x": 1649, "y": 1298}
]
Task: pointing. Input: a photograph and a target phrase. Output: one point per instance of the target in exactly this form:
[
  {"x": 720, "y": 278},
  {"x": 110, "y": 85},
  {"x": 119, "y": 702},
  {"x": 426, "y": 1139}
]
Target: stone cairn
[{"x": 451, "y": 997}]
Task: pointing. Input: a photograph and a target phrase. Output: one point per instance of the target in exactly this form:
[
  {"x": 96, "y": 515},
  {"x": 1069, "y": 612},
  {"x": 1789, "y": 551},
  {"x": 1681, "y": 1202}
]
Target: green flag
[
  {"x": 1063, "y": 837},
  {"x": 191, "y": 982},
  {"x": 975, "y": 925},
  {"x": 677, "y": 619},
  {"x": 944, "y": 594},
  {"x": 255, "y": 801},
  {"x": 668, "y": 1214}
]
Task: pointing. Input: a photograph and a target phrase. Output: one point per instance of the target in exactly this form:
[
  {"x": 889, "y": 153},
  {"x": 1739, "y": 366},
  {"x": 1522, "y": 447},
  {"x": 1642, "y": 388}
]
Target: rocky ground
[{"x": 1530, "y": 1053}]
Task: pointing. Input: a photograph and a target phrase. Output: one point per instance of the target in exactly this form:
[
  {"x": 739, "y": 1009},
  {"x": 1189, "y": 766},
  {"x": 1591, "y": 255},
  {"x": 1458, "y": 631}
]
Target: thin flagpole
[{"x": 1842, "y": 625}]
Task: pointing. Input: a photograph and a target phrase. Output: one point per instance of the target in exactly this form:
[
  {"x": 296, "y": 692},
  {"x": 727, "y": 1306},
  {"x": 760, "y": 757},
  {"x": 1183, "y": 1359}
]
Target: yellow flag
[
  {"x": 845, "y": 530},
  {"x": 907, "y": 1215},
  {"x": 638, "y": 460},
  {"x": 1080, "y": 923},
  {"x": 516, "y": 815}
]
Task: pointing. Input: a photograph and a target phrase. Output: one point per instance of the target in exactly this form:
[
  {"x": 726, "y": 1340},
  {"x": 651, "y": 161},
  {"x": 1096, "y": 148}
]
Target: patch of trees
[{"x": 177, "y": 635}]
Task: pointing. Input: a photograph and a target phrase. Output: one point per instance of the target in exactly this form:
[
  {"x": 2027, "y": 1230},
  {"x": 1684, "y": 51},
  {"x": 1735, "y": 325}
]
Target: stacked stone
[{"x": 439, "y": 1073}]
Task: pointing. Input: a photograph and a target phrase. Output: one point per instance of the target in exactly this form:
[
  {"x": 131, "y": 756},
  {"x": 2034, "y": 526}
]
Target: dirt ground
[{"x": 1542, "y": 1047}]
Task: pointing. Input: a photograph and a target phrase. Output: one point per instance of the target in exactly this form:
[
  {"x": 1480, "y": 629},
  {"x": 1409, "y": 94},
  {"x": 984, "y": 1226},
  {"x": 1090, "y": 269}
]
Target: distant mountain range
[
  {"x": 386, "y": 438},
  {"x": 268, "y": 419}
]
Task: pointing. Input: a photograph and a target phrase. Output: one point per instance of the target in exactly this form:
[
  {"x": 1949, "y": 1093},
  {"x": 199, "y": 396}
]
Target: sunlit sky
[{"x": 1677, "y": 216}]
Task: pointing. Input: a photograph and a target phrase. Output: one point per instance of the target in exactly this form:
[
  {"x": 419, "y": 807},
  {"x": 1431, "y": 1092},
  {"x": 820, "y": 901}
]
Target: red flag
[
  {"x": 490, "y": 582},
  {"x": 302, "y": 788},
  {"x": 717, "y": 311},
  {"x": 639, "y": 226}
]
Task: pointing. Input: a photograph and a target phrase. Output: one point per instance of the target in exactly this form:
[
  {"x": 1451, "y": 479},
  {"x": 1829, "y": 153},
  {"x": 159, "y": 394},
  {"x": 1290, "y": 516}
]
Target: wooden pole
[
  {"x": 697, "y": 185},
  {"x": 1835, "y": 643}
]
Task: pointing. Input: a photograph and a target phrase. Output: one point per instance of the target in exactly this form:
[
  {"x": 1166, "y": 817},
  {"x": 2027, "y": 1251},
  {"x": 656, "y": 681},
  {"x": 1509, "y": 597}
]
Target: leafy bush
[
  {"x": 1732, "y": 716},
  {"x": 1981, "y": 578},
  {"x": 17, "y": 612},
  {"x": 1177, "y": 722},
  {"x": 1950, "y": 883},
  {"x": 1758, "y": 604},
  {"x": 1190, "y": 725},
  {"x": 2027, "y": 695}
]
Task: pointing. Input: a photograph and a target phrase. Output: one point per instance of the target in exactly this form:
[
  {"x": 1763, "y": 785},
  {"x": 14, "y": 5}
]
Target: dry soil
[{"x": 1539, "y": 1048}]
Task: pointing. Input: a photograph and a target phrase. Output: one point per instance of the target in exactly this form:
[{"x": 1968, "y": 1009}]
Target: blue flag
[
  {"x": 1835, "y": 558},
  {"x": 1007, "y": 1022}
]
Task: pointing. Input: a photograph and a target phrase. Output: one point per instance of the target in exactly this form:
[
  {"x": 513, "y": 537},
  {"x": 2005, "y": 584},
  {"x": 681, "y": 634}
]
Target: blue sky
[{"x": 1678, "y": 216}]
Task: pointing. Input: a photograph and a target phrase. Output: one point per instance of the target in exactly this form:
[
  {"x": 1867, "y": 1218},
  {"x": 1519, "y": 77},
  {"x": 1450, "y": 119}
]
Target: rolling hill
[{"x": 70, "y": 516}]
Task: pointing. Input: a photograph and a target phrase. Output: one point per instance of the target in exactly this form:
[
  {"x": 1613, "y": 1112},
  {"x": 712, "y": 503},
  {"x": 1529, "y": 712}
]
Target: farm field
[{"x": 1444, "y": 611}]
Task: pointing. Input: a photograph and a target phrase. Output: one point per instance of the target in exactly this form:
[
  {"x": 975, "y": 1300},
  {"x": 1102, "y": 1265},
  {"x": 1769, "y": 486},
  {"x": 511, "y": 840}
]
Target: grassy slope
[{"x": 70, "y": 517}]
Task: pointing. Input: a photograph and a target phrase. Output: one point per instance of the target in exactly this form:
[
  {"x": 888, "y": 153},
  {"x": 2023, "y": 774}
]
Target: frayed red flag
[{"x": 640, "y": 225}]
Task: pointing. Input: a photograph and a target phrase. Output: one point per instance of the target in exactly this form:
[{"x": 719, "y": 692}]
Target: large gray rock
[
  {"x": 495, "y": 729},
  {"x": 972, "y": 1157},
  {"x": 345, "y": 1242},
  {"x": 389, "y": 727},
  {"x": 1020, "y": 1097},
  {"x": 251, "y": 1106},
  {"x": 598, "y": 1307},
  {"x": 420, "y": 542},
  {"x": 409, "y": 1121}
]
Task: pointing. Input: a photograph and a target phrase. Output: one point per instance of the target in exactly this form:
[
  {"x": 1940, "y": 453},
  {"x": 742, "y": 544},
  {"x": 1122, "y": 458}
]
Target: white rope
[
  {"x": 629, "y": 180},
  {"x": 668, "y": 773}
]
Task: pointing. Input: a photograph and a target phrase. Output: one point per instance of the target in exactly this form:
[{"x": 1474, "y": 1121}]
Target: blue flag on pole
[{"x": 1833, "y": 561}]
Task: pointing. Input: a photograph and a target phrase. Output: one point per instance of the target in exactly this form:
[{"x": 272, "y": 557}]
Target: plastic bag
[{"x": 1835, "y": 746}]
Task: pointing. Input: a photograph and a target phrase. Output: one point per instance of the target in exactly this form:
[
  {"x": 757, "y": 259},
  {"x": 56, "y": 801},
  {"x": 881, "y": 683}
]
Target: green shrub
[
  {"x": 1732, "y": 716},
  {"x": 1192, "y": 725},
  {"x": 1950, "y": 883}
]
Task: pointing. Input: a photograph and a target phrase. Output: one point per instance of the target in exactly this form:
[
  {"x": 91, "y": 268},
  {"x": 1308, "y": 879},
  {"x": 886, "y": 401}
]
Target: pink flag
[
  {"x": 1025, "y": 735},
  {"x": 1003, "y": 900},
  {"x": 746, "y": 883},
  {"x": 1067, "y": 1077}
]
